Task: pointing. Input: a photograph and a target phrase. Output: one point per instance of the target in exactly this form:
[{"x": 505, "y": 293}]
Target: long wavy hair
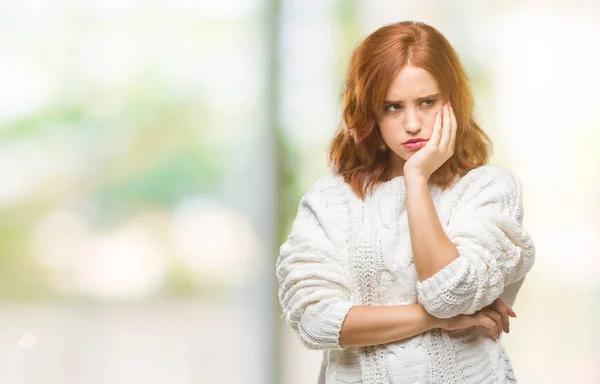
[{"x": 358, "y": 151}]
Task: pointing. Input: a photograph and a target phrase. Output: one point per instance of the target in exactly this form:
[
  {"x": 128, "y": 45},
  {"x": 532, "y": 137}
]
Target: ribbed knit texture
[{"x": 343, "y": 252}]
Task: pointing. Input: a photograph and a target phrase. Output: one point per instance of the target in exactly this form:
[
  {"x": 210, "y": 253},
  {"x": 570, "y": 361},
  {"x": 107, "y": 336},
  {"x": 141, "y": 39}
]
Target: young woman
[{"x": 403, "y": 263}]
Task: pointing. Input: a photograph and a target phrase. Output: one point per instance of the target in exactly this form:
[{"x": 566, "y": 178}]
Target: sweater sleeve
[
  {"x": 313, "y": 284},
  {"x": 494, "y": 248}
]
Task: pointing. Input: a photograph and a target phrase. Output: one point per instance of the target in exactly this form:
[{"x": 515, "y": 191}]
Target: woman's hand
[
  {"x": 438, "y": 149},
  {"x": 505, "y": 311},
  {"x": 490, "y": 321}
]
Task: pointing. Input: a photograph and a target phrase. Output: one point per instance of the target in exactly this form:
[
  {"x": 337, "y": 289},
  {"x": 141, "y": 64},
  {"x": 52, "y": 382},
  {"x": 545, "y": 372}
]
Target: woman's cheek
[
  {"x": 432, "y": 118},
  {"x": 429, "y": 122}
]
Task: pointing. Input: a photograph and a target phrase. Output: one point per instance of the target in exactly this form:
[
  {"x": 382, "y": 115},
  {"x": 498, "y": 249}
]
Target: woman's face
[{"x": 411, "y": 103}]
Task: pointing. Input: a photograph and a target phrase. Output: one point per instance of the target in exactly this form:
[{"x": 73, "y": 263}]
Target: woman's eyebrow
[{"x": 432, "y": 96}]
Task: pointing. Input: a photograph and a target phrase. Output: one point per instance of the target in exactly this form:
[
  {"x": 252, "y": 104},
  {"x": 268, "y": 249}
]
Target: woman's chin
[{"x": 401, "y": 156}]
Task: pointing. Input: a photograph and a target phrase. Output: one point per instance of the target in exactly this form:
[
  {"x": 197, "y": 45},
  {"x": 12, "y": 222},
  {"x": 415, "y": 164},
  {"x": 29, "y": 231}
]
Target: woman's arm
[
  {"x": 486, "y": 247},
  {"x": 368, "y": 325},
  {"x": 432, "y": 249},
  {"x": 491, "y": 247},
  {"x": 314, "y": 282}
]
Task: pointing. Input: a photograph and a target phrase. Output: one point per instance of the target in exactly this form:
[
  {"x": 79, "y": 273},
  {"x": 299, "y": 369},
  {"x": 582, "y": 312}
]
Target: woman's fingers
[
  {"x": 497, "y": 319},
  {"x": 454, "y": 129},
  {"x": 504, "y": 314},
  {"x": 446, "y": 127},
  {"x": 489, "y": 323},
  {"x": 503, "y": 309},
  {"x": 508, "y": 308},
  {"x": 434, "y": 140}
]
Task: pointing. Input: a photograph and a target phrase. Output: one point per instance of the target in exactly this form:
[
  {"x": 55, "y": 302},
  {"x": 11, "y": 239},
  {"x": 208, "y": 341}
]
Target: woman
[{"x": 403, "y": 263}]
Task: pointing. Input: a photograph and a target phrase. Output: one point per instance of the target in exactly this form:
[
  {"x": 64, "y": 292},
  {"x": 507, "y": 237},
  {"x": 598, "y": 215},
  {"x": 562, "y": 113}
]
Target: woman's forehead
[{"x": 412, "y": 84}]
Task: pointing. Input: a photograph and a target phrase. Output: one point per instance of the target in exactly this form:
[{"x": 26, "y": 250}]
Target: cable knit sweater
[{"x": 343, "y": 251}]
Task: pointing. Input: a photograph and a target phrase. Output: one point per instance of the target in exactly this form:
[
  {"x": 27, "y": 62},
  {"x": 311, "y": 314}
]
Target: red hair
[{"x": 358, "y": 151}]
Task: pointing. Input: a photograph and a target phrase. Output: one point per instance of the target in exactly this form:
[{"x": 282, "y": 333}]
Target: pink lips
[{"x": 415, "y": 144}]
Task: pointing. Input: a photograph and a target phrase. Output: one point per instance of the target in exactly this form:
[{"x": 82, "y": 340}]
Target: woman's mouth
[{"x": 415, "y": 145}]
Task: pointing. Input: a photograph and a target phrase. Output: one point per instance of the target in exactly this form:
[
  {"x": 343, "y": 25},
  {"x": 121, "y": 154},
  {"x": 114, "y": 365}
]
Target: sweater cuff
[
  {"x": 437, "y": 291},
  {"x": 326, "y": 328}
]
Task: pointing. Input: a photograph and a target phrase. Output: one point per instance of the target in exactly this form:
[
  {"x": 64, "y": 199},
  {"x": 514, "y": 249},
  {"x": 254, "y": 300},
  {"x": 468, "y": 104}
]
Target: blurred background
[{"x": 153, "y": 153}]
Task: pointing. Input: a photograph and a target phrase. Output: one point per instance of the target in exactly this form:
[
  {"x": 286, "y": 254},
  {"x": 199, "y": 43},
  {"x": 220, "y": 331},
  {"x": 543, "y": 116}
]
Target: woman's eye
[
  {"x": 429, "y": 103},
  {"x": 393, "y": 107}
]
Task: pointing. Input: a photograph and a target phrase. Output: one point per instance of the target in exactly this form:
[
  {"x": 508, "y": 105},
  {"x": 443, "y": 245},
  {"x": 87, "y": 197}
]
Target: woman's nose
[{"x": 412, "y": 123}]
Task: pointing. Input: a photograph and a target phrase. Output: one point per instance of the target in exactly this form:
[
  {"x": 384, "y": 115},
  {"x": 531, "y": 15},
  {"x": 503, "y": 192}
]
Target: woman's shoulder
[
  {"x": 328, "y": 187},
  {"x": 329, "y": 200},
  {"x": 489, "y": 176},
  {"x": 490, "y": 186}
]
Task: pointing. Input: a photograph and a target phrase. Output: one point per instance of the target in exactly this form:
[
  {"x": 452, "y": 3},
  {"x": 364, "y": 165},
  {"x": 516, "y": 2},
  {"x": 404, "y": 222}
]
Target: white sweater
[{"x": 343, "y": 252}]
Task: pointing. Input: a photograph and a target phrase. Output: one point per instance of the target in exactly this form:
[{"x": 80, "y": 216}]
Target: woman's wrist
[{"x": 429, "y": 320}]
